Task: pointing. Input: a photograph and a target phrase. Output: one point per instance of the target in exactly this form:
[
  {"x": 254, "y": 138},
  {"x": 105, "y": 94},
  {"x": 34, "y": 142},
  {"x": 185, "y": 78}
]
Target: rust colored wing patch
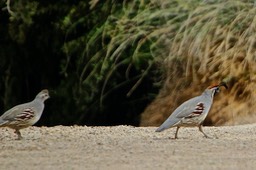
[
  {"x": 25, "y": 115},
  {"x": 199, "y": 109}
]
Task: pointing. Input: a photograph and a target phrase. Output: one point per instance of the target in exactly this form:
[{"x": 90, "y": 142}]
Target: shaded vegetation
[{"x": 97, "y": 75}]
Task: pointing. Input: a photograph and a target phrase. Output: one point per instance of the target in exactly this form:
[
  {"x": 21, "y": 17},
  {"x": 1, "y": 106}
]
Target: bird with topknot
[{"x": 193, "y": 112}]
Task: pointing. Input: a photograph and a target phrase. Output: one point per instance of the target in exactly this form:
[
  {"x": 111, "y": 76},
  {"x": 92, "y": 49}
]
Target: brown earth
[{"x": 127, "y": 147}]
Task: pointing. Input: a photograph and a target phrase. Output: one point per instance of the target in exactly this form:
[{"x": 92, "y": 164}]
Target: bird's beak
[{"x": 223, "y": 84}]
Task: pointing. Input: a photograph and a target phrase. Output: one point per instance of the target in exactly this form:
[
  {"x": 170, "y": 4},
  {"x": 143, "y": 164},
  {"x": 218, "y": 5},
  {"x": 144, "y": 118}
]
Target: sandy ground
[{"x": 127, "y": 147}]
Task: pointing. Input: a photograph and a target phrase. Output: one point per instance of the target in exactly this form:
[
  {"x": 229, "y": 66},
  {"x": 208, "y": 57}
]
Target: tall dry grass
[{"x": 206, "y": 42}]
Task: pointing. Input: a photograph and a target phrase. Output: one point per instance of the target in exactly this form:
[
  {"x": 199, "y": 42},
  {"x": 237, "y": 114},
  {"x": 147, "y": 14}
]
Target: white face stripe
[{"x": 214, "y": 90}]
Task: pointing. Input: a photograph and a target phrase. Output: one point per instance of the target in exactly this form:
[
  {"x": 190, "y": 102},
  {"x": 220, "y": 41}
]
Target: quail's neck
[
  {"x": 209, "y": 93},
  {"x": 38, "y": 100}
]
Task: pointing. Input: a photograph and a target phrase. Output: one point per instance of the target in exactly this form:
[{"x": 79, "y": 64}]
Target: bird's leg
[
  {"x": 18, "y": 133},
  {"x": 201, "y": 130},
  {"x": 176, "y": 133}
]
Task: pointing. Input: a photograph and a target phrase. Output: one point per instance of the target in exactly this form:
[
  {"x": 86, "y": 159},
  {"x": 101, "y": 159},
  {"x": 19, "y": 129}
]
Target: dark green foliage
[{"x": 97, "y": 66}]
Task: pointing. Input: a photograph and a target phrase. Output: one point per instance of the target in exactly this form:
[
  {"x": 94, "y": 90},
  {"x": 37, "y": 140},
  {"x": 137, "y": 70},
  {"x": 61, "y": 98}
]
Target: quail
[
  {"x": 24, "y": 115},
  {"x": 193, "y": 112}
]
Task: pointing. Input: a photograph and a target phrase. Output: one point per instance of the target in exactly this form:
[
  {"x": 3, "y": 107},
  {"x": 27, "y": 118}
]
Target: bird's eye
[{"x": 217, "y": 90}]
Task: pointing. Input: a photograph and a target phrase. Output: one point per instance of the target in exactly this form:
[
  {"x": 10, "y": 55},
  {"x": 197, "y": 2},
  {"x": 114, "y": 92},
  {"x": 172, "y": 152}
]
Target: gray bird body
[
  {"x": 24, "y": 115},
  {"x": 10, "y": 117},
  {"x": 178, "y": 117},
  {"x": 192, "y": 112}
]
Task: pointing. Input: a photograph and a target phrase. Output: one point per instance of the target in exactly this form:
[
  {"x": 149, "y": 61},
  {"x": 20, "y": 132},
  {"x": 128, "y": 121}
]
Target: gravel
[{"x": 128, "y": 147}]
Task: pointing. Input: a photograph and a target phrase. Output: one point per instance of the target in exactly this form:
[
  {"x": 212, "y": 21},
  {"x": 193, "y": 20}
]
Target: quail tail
[
  {"x": 164, "y": 126},
  {"x": 160, "y": 129},
  {"x": 170, "y": 122}
]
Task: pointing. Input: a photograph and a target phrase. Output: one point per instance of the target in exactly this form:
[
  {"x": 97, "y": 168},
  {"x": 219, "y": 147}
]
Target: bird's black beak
[{"x": 223, "y": 84}]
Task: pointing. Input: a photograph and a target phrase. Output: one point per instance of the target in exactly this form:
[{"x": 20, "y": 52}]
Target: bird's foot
[
  {"x": 19, "y": 138},
  {"x": 18, "y": 134},
  {"x": 172, "y": 138},
  {"x": 211, "y": 137},
  {"x": 208, "y": 137}
]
